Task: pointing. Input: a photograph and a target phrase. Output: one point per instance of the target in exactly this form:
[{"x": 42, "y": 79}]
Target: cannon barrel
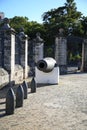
[{"x": 46, "y": 64}]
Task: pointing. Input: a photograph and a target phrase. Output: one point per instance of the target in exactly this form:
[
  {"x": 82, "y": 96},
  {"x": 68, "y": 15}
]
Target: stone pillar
[
  {"x": 26, "y": 59},
  {"x": 38, "y": 48},
  {"x": 84, "y": 56},
  {"x": 9, "y": 53},
  {"x": 1, "y": 48},
  {"x": 23, "y": 39},
  {"x": 17, "y": 50},
  {"x": 8, "y": 48},
  {"x": 61, "y": 54},
  {"x": 38, "y": 52}
]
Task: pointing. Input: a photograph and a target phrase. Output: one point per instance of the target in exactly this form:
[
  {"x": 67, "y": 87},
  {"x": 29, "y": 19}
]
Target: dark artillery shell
[
  {"x": 10, "y": 102},
  {"x": 19, "y": 96}
]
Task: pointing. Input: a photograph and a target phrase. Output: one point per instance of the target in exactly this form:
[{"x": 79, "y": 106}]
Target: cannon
[
  {"x": 46, "y": 65},
  {"x": 47, "y": 71}
]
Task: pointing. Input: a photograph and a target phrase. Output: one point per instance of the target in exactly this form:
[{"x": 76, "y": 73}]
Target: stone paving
[{"x": 52, "y": 107}]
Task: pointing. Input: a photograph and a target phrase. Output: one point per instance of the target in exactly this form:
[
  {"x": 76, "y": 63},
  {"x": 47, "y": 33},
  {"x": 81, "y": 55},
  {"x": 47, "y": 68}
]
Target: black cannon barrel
[{"x": 46, "y": 64}]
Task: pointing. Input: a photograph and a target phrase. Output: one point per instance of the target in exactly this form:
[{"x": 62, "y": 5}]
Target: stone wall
[
  {"x": 13, "y": 55},
  {"x": 35, "y": 53}
]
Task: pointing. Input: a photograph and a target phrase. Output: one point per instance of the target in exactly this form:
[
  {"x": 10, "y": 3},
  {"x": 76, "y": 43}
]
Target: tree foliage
[
  {"x": 30, "y": 27},
  {"x": 17, "y": 22},
  {"x": 84, "y": 25},
  {"x": 63, "y": 17},
  {"x": 66, "y": 17}
]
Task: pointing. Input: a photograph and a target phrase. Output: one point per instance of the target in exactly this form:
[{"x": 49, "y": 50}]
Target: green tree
[
  {"x": 66, "y": 17},
  {"x": 62, "y": 17},
  {"x": 33, "y": 27},
  {"x": 30, "y": 27},
  {"x": 84, "y": 25},
  {"x": 17, "y": 22}
]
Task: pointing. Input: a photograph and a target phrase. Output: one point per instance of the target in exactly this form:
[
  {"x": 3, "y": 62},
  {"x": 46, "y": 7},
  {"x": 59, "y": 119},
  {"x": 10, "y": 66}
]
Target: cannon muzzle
[{"x": 46, "y": 65}]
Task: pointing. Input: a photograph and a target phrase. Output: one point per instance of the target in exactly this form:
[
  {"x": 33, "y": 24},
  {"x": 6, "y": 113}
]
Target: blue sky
[{"x": 33, "y": 9}]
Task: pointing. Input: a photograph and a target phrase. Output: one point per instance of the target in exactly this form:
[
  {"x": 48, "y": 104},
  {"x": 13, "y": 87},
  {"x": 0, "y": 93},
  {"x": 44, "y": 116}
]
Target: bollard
[
  {"x": 25, "y": 88},
  {"x": 19, "y": 96},
  {"x": 33, "y": 85},
  {"x": 10, "y": 102}
]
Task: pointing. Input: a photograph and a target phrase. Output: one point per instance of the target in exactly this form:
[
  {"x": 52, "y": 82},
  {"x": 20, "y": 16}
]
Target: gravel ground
[{"x": 52, "y": 107}]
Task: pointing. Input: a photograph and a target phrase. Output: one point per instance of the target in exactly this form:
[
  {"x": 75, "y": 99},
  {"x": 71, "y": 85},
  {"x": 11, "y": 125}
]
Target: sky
[{"x": 34, "y": 9}]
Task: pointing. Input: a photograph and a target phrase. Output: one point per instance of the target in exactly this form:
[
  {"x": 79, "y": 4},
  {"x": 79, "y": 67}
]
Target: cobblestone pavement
[{"x": 52, "y": 107}]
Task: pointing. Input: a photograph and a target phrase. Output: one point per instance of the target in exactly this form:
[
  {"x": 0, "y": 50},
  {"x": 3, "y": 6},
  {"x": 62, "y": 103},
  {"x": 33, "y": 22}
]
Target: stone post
[
  {"x": 84, "y": 56},
  {"x": 9, "y": 53},
  {"x": 17, "y": 50},
  {"x": 23, "y": 39},
  {"x": 38, "y": 48},
  {"x": 38, "y": 53},
  {"x": 61, "y": 54},
  {"x": 8, "y": 48},
  {"x": 1, "y": 48}
]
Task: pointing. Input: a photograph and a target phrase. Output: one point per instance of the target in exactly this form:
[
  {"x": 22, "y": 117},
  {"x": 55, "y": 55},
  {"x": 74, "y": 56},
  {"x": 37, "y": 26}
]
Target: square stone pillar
[
  {"x": 84, "y": 56},
  {"x": 2, "y": 35},
  {"x": 61, "y": 54},
  {"x": 38, "y": 50},
  {"x": 24, "y": 56},
  {"x": 9, "y": 52},
  {"x": 0, "y": 54}
]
